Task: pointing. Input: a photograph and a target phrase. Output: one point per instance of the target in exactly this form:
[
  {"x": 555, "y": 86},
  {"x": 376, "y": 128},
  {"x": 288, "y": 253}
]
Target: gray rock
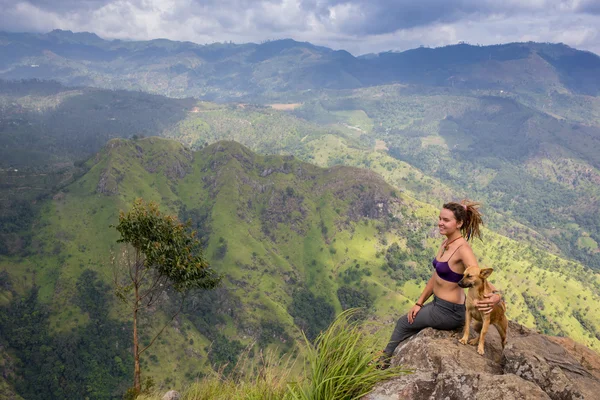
[
  {"x": 532, "y": 366},
  {"x": 109, "y": 182},
  {"x": 172, "y": 395}
]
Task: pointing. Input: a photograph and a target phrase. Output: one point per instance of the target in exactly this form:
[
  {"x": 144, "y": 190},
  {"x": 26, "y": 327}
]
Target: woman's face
[{"x": 447, "y": 223}]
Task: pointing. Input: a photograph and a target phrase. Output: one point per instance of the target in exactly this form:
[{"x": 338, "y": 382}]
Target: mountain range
[
  {"x": 227, "y": 71},
  {"x": 314, "y": 181}
]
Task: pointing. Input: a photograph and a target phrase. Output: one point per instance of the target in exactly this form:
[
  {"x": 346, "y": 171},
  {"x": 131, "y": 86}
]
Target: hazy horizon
[
  {"x": 357, "y": 26},
  {"x": 293, "y": 39}
]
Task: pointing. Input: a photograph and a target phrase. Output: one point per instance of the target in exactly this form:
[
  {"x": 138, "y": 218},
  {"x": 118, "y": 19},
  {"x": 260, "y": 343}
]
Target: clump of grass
[
  {"x": 342, "y": 363},
  {"x": 263, "y": 379}
]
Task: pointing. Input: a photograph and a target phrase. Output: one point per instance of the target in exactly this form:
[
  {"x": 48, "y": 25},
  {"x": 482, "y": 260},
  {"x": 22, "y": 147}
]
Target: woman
[{"x": 459, "y": 222}]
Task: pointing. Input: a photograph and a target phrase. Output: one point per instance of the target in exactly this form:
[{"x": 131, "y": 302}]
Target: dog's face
[{"x": 474, "y": 276}]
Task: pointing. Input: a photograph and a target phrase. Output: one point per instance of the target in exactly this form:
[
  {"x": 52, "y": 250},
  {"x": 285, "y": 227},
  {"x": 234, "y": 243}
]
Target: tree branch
[
  {"x": 167, "y": 324},
  {"x": 152, "y": 288},
  {"x": 144, "y": 273}
]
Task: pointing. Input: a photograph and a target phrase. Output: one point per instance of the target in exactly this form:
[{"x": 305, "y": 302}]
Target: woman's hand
[
  {"x": 487, "y": 305},
  {"x": 413, "y": 313}
]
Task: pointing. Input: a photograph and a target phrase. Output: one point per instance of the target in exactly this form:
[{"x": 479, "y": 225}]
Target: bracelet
[{"x": 419, "y": 304}]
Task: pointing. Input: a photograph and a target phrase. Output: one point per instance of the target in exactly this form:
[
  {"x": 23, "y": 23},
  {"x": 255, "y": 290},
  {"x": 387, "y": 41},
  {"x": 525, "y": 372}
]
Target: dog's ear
[{"x": 485, "y": 273}]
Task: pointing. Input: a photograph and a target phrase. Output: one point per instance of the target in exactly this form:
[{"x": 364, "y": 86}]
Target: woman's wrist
[{"x": 419, "y": 304}]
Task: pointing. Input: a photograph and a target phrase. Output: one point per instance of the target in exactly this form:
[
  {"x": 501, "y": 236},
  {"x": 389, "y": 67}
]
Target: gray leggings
[{"x": 438, "y": 314}]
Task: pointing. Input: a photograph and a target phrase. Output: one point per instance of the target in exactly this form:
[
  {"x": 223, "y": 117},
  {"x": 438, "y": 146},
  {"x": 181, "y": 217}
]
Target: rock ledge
[{"x": 532, "y": 366}]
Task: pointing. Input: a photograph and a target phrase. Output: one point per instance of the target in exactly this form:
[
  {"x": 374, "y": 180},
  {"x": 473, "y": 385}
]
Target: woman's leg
[
  {"x": 438, "y": 314},
  {"x": 404, "y": 329}
]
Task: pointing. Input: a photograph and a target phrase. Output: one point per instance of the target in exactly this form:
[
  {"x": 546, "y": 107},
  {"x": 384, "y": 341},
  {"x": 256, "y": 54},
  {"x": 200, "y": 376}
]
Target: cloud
[
  {"x": 359, "y": 26},
  {"x": 588, "y": 6},
  {"x": 67, "y": 5},
  {"x": 363, "y": 17},
  {"x": 373, "y": 17}
]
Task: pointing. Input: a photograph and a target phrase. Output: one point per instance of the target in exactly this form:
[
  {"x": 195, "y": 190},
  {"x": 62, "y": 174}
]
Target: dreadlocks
[{"x": 468, "y": 213}]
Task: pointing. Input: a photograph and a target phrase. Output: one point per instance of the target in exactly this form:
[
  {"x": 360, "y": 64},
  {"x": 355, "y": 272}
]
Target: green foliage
[
  {"x": 355, "y": 274},
  {"x": 165, "y": 252},
  {"x": 147, "y": 388},
  {"x": 225, "y": 183},
  {"x": 223, "y": 353},
  {"x": 19, "y": 219},
  {"x": 198, "y": 220},
  {"x": 362, "y": 301},
  {"x": 167, "y": 246},
  {"x": 265, "y": 377},
  {"x": 352, "y": 298},
  {"x": 586, "y": 323},
  {"x": 87, "y": 362},
  {"x": 312, "y": 314},
  {"x": 91, "y": 295},
  {"x": 395, "y": 257},
  {"x": 342, "y": 363},
  {"x": 543, "y": 324},
  {"x": 273, "y": 331},
  {"x": 16, "y": 216},
  {"x": 403, "y": 266},
  {"x": 206, "y": 309},
  {"x": 5, "y": 282},
  {"x": 482, "y": 153}
]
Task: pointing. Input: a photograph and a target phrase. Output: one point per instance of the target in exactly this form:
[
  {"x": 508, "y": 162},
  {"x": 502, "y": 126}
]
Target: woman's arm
[
  {"x": 491, "y": 299},
  {"x": 427, "y": 292}
]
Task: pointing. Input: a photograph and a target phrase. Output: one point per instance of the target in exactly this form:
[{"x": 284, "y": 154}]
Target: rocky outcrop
[
  {"x": 108, "y": 184},
  {"x": 175, "y": 164},
  {"x": 532, "y": 366},
  {"x": 172, "y": 395}
]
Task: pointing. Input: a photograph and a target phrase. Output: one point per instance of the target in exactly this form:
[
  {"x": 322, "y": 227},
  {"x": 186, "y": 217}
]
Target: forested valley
[{"x": 306, "y": 202}]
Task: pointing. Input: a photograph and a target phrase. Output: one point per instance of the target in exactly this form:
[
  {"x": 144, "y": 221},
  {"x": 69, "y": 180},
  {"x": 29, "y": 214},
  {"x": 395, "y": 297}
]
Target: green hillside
[
  {"x": 526, "y": 164},
  {"x": 540, "y": 175},
  {"x": 536, "y": 168},
  {"x": 47, "y": 131},
  {"x": 296, "y": 243}
]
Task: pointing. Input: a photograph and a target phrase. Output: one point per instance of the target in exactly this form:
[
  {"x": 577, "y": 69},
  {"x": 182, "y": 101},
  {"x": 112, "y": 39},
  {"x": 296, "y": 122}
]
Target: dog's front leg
[
  {"x": 484, "y": 329},
  {"x": 465, "y": 337}
]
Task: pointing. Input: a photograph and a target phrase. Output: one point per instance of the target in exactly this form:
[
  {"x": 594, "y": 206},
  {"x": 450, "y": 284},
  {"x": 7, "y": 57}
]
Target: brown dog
[{"x": 476, "y": 280}]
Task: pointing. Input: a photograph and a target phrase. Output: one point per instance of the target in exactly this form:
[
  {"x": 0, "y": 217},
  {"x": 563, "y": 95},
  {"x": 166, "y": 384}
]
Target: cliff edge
[{"x": 532, "y": 366}]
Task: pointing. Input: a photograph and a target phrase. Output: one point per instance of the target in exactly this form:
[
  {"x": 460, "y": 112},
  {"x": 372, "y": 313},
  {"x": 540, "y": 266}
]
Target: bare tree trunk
[
  {"x": 137, "y": 373},
  {"x": 137, "y": 378}
]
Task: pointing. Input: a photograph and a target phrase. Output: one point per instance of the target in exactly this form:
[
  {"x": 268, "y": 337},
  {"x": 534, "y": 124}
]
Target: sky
[{"x": 358, "y": 26}]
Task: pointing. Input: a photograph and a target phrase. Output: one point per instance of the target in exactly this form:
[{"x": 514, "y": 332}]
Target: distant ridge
[{"x": 225, "y": 71}]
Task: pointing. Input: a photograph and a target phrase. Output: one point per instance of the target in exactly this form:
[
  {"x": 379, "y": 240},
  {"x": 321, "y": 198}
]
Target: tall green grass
[
  {"x": 340, "y": 365},
  {"x": 265, "y": 378}
]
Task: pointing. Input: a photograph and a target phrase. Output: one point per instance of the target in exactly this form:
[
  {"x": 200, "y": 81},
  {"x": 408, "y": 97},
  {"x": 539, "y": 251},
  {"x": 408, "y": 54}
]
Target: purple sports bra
[{"x": 443, "y": 269}]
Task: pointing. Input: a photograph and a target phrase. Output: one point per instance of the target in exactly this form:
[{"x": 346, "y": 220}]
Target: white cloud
[{"x": 359, "y": 26}]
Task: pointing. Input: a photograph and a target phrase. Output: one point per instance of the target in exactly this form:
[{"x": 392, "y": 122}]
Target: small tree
[{"x": 165, "y": 254}]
